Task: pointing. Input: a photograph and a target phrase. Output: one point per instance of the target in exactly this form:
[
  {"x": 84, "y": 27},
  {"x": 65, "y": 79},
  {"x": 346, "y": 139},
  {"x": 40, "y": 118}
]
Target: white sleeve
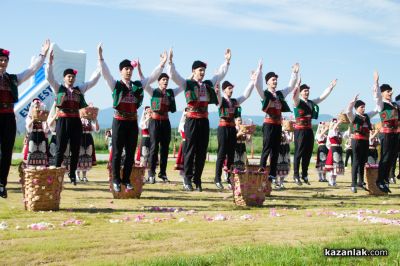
[
  {"x": 142, "y": 123},
  {"x": 223, "y": 69},
  {"x": 378, "y": 97},
  {"x": 349, "y": 112},
  {"x": 92, "y": 81},
  {"x": 181, "y": 127},
  {"x": 259, "y": 85},
  {"x": 107, "y": 75},
  {"x": 292, "y": 82},
  {"x": 324, "y": 95},
  {"x": 23, "y": 76},
  {"x": 50, "y": 78},
  {"x": 246, "y": 93},
  {"x": 153, "y": 76},
  {"x": 181, "y": 82}
]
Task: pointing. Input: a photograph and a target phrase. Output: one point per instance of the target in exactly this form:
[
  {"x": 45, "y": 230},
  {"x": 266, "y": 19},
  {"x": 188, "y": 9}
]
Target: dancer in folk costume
[
  {"x": 242, "y": 137},
  {"x": 51, "y": 123},
  {"x": 37, "y": 143},
  {"x": 322, "y": 151},
  {"x": 179, "y": 165},
  {"x": 273, "y": 104},
  {"x": 392, "y": 176},
  {"x": 304, "y": 111},
  {"x": 162, "y": 102},
  {"x": 108, "y": 139},
  {"x": 373, "y": 147},
  {"x": 283, "y": 165},
  {"x": 389, "y": 114},
  {"x": 143, "y": 152},
  {"x": 199, "y": 94},
  {"x": 348, "y": 150},
  {"x": 360, "y": 131},
  {"x": 127, "y": 98},
  {"x": 69, "y": 99},
  {"x": 87, "y": 151},
  {"x": 8, "y": 96},
  {"x": 334, "y": 161},
  {"x": 229, "y": 109}
]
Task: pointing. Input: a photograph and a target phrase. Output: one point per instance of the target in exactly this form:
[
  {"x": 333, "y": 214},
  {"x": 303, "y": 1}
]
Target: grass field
[{"x": 292, "y": 228}]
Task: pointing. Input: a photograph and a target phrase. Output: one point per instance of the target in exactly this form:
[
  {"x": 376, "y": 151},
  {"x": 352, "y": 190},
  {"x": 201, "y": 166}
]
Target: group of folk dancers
[{"x": 127, "y": 97}]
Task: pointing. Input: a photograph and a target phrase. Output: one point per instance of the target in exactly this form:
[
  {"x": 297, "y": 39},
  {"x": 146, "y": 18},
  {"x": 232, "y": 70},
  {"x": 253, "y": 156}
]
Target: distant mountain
[{"x": 106, "y": 115}]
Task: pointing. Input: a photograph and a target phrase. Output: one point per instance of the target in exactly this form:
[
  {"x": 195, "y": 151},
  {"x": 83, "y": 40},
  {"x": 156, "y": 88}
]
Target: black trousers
[
  {"x": 195, "y": 149},
  {"x": 360, "y": 150},
  {"x": 393, "y": 169},
  {"x": 272, "y": 135},
  {"x": 389, "y": 146},
  {"x": 303, "y": 149},
  {"x": 226, "y": 149},
  {"x": 8, "y": 129},
  {"x": 160, "y": 137},
  {"x": 349, "y": 154},
  {"x": 124, "y": 136},
  {"x": 68, "y": 129}
]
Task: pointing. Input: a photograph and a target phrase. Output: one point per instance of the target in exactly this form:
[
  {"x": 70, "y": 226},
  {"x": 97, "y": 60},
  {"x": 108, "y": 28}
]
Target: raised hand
[
  {"x": 171, "y": 55},
  {"x": 45, "y": 47},
  {"x": 298, "y": 82},
  {"x": 355, "y": 99},
  {"x": 228, "y": 55},
  {"x": 163, "y": 57},
  {"x": 376, "y": 77},
  {"x": 51, "y": 58},
  {"x": 333, "y": 83},
  {"x": 296, "y": 68},
  {"x": 253, "y": 75},
  {"x": 100, "y": 51}
]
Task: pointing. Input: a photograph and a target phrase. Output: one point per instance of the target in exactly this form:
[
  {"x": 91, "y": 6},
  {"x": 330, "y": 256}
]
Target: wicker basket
[
  {"x": 42, "y": 188},
  {"x": 137, "y": 175},
  {"x": 343, "y": 118},
  {"x": 39, "y": 115},
  {"x": 250, "y": 187},
  {"x": 89, "y": 112},
  {"x": 248, "y": 129},
  {"x": 288, "y": 125},
  {"x": 371, "y": 175}
]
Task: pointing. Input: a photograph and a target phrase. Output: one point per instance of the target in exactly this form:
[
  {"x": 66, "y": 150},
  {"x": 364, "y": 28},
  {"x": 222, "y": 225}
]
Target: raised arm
[
  {"x": 296, "y": 93},
  {"x": 218, "y": 93},
  {"x": 326, "y": 92},
  {"x": 156, "y": 71},
  {"x": 178, "y": 79},
  {"x": 248, "y": 89},
  {"x": 104, "y": 69},
  {"x": 377, "y": 93},
  {"x": 23, "y": 76},
  {"x": 293, "y": 79},
  {"x": 259, "y": 80},
  {"x": 92, "y": 81},
  {"x": 50, "y": 75},
  {"x": 223, "y": 69},
  {"x": 147, "y": 88},
  {"x": 349, "y": 111}
]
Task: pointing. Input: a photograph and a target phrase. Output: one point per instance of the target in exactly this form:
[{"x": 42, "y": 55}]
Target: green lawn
[{"x": 134, "y": 232}]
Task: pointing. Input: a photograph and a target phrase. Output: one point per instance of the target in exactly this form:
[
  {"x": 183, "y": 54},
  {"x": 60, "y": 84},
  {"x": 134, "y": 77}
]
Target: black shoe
[
  {"x": 3, "y": 192},
  {"x": 381, "y": 187},
  {"x": 297, "y": 181},
  {"x": 387, "y": 188},
  {"x": 354, "y": 189},
  {"x": 128, "y": 186},
  {"x": 219, "y": 185},
  {"x": 117, "y": 187},
  {"x": 187, "y": 187},
  {"x": 199, "y": 188},
  {"x": 271, "y": 178},
  {"x": 305, "y": 179},
  {"x": 392, "y": 180},
  {"x": 72, "y": 178},
  {"x": 164, "y": 178},
  {"x": 151, "y": 180}
]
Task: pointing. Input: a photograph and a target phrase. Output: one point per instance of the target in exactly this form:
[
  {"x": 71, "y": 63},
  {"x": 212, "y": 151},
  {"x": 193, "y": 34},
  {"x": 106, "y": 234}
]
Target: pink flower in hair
[
  {"x": 6, "y": 52},
  {"x": 134, "y": 63},
  {"x": 75, "y": 72}
]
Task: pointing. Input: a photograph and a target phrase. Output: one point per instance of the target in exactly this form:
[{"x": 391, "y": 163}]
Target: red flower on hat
[
  {"x": 75, "y": 72},
  {"x": 6, "y": 52},
  {"x": 134, "y": 63}
]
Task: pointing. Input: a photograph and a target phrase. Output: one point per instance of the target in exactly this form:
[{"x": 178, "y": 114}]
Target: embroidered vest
[
  {"x": 389, "y": 118},
  {"x": 227, "y": 112},
  {"x": 77, "y": 102},
  {"x": 193, "y": 88},
  {"x": 361, "y": 127},
  {"x": 156, "y": 101},
  {"x": 11, "y": 84},
  {"x": 121, "y": 90}
]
